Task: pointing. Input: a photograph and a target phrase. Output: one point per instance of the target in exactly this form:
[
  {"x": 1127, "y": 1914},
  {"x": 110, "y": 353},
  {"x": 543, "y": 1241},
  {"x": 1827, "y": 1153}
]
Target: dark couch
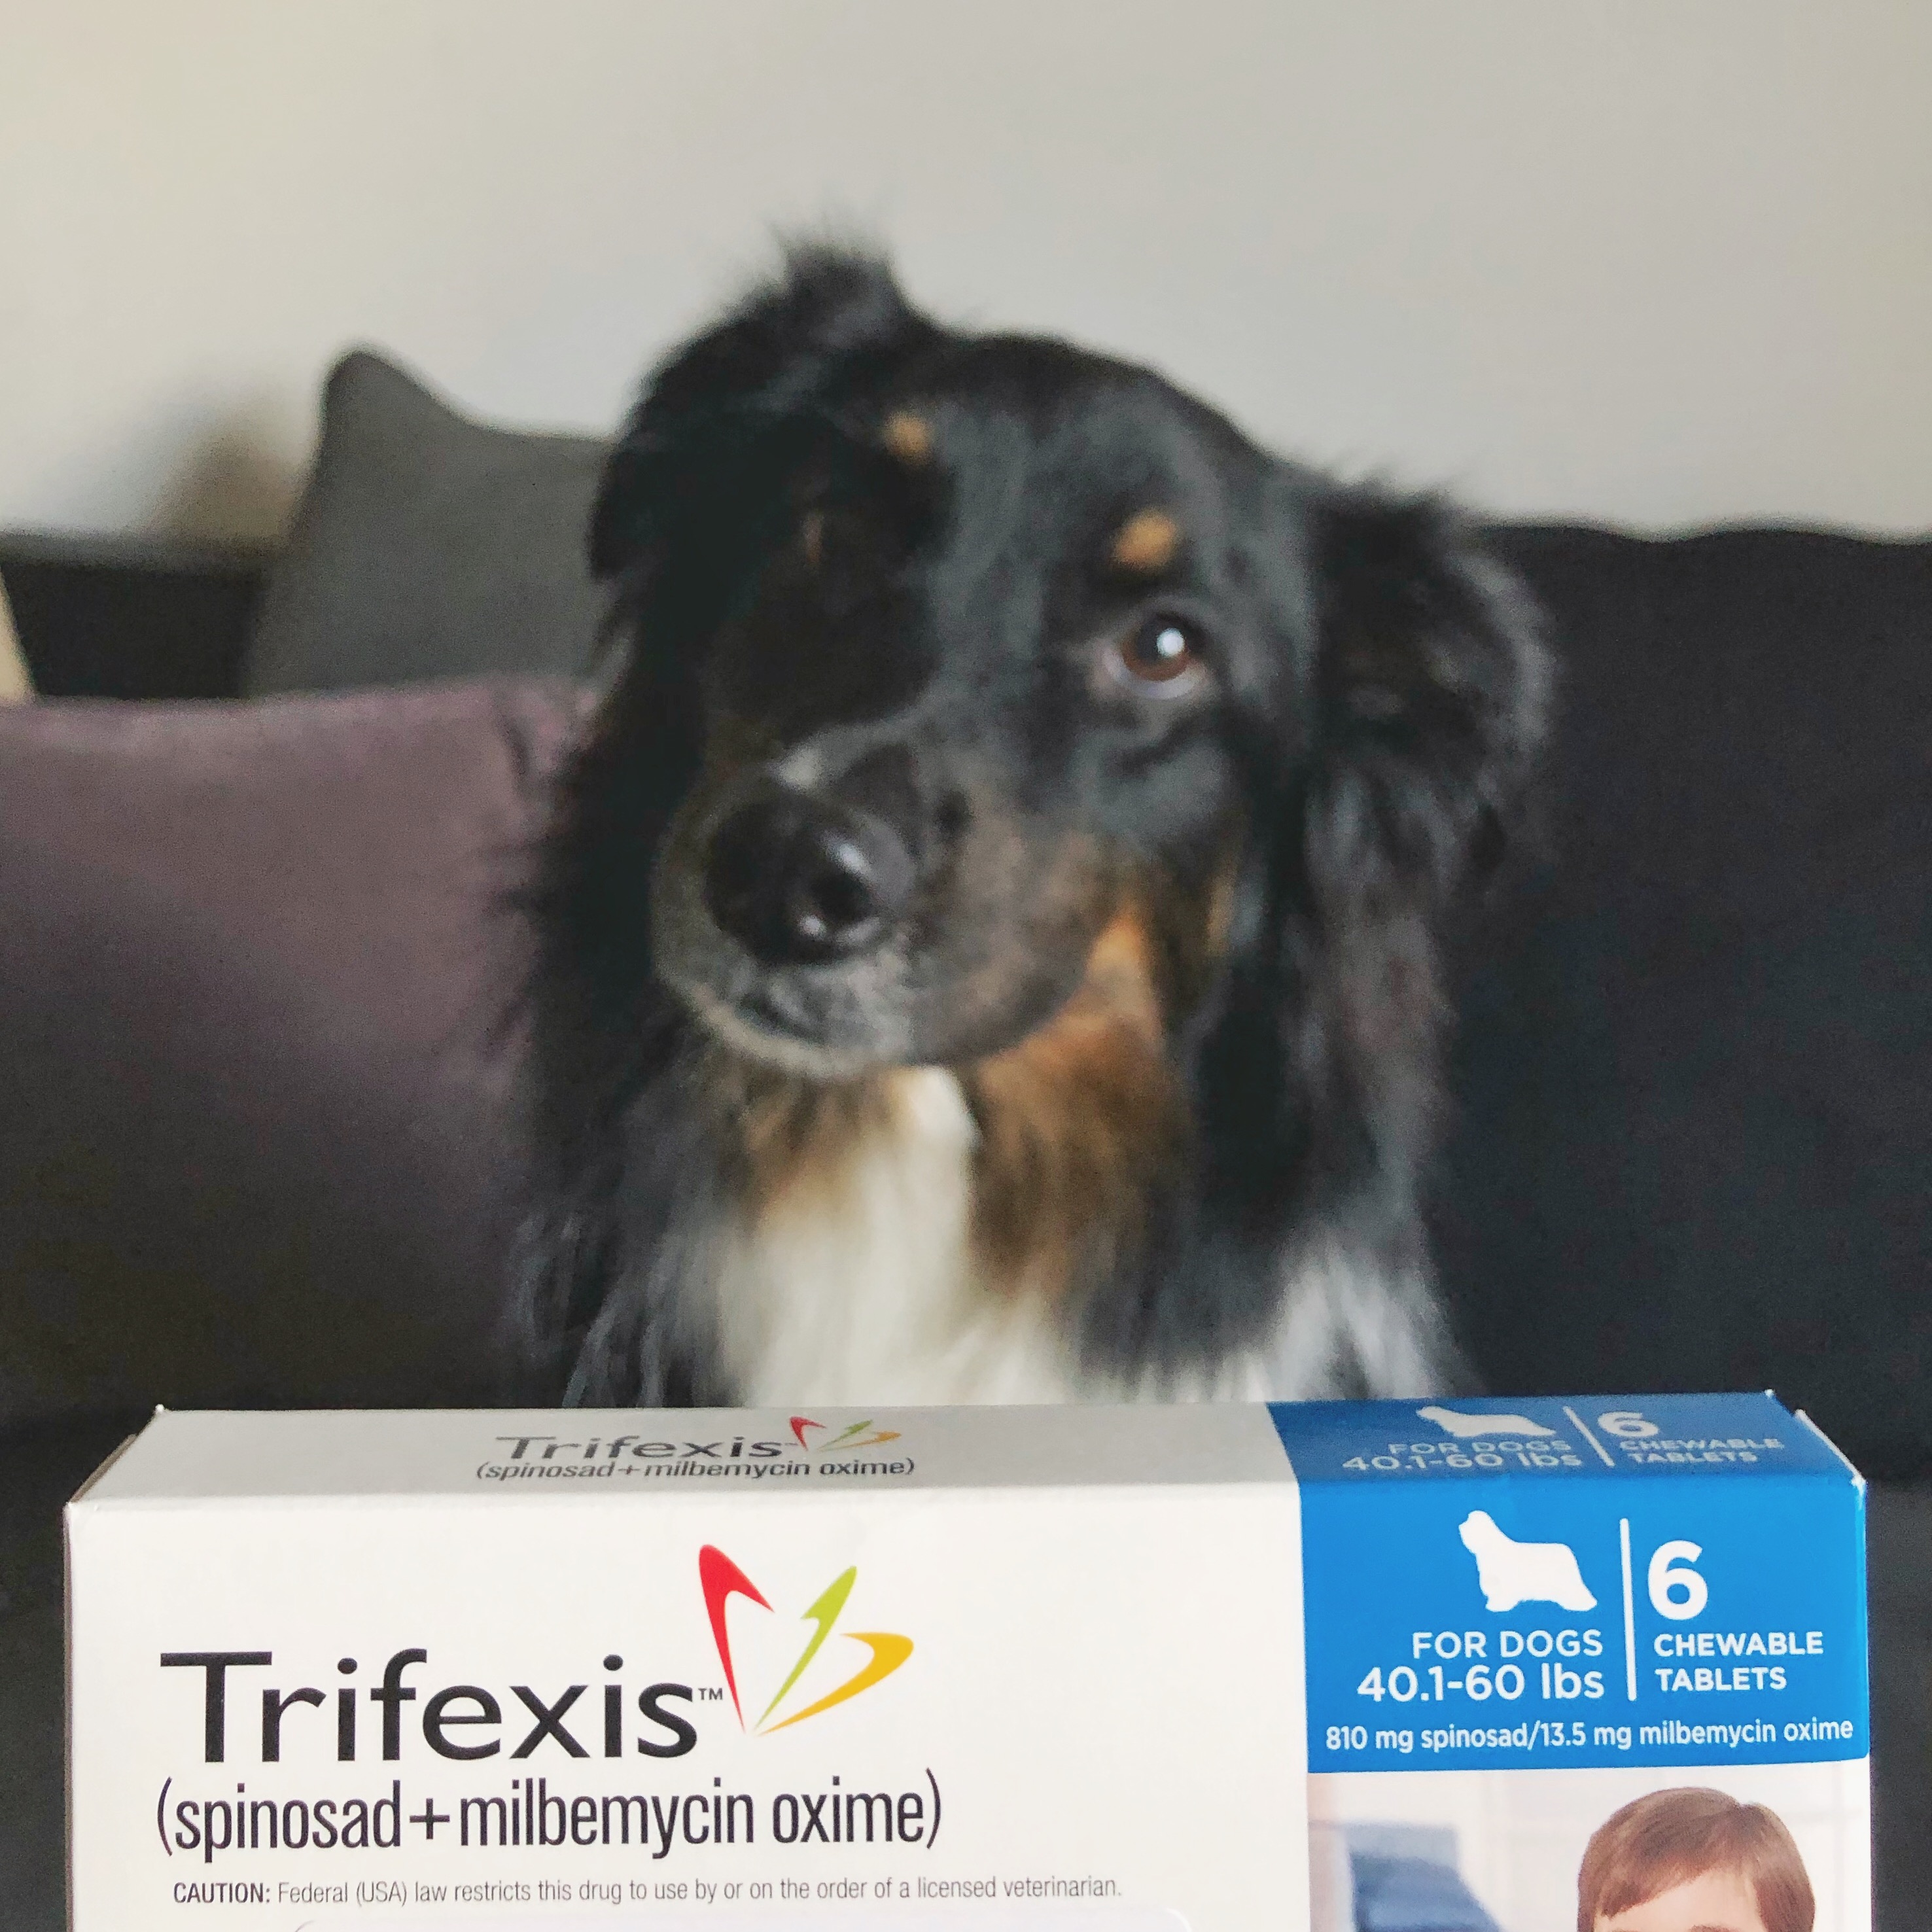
[{"x": 257, "y": 1021}]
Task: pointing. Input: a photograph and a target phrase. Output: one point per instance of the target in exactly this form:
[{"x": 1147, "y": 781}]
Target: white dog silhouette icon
[
  {"x": 1466, "y": 1425},
  {"x": 1523, "y": 1573}
]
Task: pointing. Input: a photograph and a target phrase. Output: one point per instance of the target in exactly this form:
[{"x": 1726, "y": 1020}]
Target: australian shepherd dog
[{"x": 989, "y": 931}]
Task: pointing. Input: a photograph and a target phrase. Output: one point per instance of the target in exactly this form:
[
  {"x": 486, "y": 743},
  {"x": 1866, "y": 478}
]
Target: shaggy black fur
[{"x": 1351, "y": 760}]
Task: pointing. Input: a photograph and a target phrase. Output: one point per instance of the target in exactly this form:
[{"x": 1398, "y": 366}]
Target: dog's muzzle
[{"x": 798, "y": 879}]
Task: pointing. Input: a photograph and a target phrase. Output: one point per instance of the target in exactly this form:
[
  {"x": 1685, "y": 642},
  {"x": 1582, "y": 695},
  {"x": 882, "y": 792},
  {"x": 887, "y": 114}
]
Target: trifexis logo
[
  {"x": 805, "y": 1448},
  {"x": 853, "y": 1438},
  {"x": 722, "y": 1579}
]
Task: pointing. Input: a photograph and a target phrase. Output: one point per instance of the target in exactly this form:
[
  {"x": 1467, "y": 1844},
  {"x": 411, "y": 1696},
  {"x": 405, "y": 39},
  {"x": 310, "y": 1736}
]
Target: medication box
[
  {"x": 1129, "y": 1670},
  {"x": 988, "y": 1667},
  {"x": 1530, "y": 1626}
]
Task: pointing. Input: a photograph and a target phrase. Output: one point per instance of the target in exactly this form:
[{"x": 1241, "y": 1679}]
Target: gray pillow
[{"x": 427, "y": 545}]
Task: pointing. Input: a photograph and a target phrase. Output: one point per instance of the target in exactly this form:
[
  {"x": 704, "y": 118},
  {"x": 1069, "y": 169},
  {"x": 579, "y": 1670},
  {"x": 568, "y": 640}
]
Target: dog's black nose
[{"x": 798, "y": 880}]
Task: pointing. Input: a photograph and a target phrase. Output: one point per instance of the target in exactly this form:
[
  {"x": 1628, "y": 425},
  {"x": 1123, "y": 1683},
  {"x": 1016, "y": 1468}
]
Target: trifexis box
[
  {"x": 1452, "y": 1668},
  {"x": 1009, "y": 1668}
]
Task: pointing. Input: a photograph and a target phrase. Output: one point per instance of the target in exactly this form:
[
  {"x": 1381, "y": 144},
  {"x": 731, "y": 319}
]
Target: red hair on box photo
[{"x": 1668, "y": 1838}]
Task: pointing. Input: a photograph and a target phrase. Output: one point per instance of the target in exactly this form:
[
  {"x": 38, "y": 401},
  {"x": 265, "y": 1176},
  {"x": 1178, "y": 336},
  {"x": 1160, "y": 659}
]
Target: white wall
[{"x": 1659, "y": 260}]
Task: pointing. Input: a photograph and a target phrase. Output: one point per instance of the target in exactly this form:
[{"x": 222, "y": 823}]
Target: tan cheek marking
[
  {"x": 909, "y": 437},
  {"x": 811, "y": 537},
  {"x": 1077, "y": 1124},
  {"x": 793, "y": 1135},
  {"x": 1220, "y": 921},
  {"x": 1119, "y": 981},
  {"x": 1146, "y": 541}
]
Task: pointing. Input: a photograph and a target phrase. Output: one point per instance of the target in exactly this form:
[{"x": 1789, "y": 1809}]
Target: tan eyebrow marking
[
  {"x": 811, "y": 537},
  {"x": 908, "y": 437},
  {"x": 1146, "y": 541}
]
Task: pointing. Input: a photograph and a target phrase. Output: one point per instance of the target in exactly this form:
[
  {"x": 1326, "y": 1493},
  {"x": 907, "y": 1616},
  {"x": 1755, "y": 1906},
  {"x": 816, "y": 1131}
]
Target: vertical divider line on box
[
  {"x": 1630, "y": 1612},
  {"x": 1609, "y": 1461}
]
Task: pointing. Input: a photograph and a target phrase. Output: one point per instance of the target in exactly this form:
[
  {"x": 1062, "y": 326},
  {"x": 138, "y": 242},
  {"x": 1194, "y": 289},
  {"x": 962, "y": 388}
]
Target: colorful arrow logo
[
  {"x": 845, "y": 1440},
  {"x": 722, "y": 1579}
]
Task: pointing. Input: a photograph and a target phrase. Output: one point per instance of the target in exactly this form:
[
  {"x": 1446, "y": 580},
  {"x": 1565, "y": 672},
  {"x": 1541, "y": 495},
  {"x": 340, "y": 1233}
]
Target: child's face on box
[{"x": 1714, "y": 1901}]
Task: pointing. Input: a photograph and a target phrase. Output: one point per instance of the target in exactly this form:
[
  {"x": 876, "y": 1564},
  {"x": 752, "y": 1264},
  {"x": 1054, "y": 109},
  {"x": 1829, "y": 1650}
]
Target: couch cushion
[
  {"x": 255, "y": 965},
  {"x": 1693, "y": 1083},
  {"x": 428, "y": 545}
]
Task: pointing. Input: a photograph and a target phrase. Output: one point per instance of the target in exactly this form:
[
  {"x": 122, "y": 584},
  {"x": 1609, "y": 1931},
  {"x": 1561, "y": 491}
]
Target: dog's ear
[
  {"x": 1381, "y": 786},
  {"x": 1429, "y": 690},
  {"x": 693, "y": 474}
]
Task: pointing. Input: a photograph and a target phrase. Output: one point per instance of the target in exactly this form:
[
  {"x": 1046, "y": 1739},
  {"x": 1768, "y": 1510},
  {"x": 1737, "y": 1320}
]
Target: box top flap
[
  {"x": 513, "y": 1455},
  {"x": 1659, "y": 1438}
]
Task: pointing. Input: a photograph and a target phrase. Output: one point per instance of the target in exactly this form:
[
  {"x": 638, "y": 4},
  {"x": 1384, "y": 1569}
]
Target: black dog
[{"x": 989, "y": 934}]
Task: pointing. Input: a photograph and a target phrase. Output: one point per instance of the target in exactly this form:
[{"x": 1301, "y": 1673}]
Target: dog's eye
[{"x": 1162, "y": 653}]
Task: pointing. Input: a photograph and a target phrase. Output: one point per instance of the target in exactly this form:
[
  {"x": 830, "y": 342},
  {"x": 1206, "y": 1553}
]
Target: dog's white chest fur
[{"x": 862, "y": 1287}]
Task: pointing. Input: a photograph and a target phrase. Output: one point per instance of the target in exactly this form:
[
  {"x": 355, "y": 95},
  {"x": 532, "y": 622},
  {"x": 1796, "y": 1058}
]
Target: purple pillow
[{"x": 257, "y": 981}]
